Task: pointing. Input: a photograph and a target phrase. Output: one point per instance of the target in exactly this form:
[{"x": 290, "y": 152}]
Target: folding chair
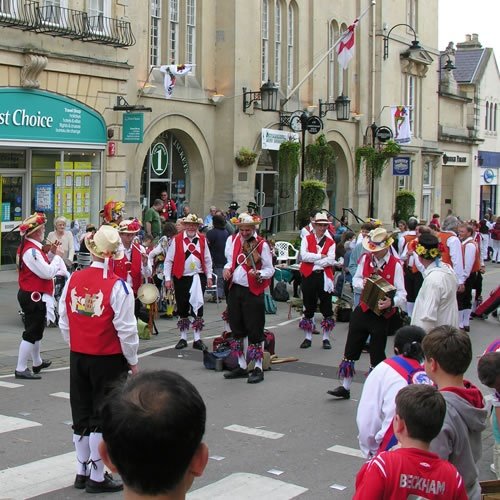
[{"x": 213, "y": 289}]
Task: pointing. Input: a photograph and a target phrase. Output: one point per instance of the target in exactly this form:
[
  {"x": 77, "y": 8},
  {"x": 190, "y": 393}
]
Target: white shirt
[
  {"x": 319, "y": 261},
  {"x": 399, "y": 281},
  {"x": 469, "y": 255},
  {"x": 436, "y": 302},
  {"x": 192, "y": 264},
  {"x": 124, "y": 321},
  {"x": 306, "y": 230},
  {"x": 402, "y": 245},
  {"x": 146, "y": 269},
  {"x": 240, "y": 276}
]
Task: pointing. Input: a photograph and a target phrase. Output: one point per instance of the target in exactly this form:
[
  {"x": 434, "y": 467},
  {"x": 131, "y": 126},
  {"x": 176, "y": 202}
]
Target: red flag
[{"x": 345, "y": 48}]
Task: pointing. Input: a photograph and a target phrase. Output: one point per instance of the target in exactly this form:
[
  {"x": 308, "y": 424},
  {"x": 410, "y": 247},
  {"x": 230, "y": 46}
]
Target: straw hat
[
  {"x": 377, "y": 239},
  {"x": 192, "y": 219},
  {"x": 105, "y": 243},
  {"x": 320, "y": 218},
  {"x": 245, "y": 219},
  {"x": 129, "y": 226},
  {"x": 32, "y": 223}
]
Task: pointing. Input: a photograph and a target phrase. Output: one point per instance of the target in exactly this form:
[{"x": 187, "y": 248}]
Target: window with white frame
[
  {"x": 173, "y": 38},
  {"x": 426, "y": 205},
  {"x": 265, "y": 41},
  {"x": 290, "y": 46},
  {"x": 427, "y": 174},
  {"x": 487, "y": 115},
  {"x": 277, "y": 42},
  {"x": 341, "y": 73},
  {"x": 51, "y": 10},
  {"x": 99, "y": 12},
  {"x": 7, "y": 7},
  {"x": 403, "y": 182},
  {"x": 191, "y": 33},
  {"x": 411, "y": 82},
  {"x": 332, "y": 63},
  {"x": 155, "y": 34}
]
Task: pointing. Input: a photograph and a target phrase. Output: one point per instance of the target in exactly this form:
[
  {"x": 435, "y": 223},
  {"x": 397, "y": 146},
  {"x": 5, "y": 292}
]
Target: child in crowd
[
  {"x": 448, "y": 353},
  {"x": 488, "y": 371},
  {"x": 412, "y": 471}
]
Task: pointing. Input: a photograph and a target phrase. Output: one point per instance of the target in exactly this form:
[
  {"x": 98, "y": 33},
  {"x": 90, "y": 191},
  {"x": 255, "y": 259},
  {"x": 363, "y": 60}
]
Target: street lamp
[
  {"x": 267, "y": 95},
  {"x": 415, "y": 45},
  {"x": 373, "y": 128},
  {"x": 342, "y": 105}
]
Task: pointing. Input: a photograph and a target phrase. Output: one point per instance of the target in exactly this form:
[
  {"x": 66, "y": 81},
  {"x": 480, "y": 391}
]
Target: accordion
[{"x": 377, "y": 288}]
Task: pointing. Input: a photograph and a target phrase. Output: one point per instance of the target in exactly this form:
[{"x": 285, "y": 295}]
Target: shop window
[
  {"x": 66, "y": 184},
  {"x": 427, "y": 174}
]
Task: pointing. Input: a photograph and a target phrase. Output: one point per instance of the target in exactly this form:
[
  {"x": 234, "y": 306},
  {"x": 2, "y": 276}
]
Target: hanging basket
[{"x": 245, "y": 157}]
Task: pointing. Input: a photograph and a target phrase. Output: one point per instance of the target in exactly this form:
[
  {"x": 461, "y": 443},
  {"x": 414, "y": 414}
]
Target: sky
[{"x": 460, "y": 17}]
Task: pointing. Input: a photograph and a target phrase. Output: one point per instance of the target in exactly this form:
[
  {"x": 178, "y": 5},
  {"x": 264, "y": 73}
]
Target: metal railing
[{"x": 70, "y": 23}]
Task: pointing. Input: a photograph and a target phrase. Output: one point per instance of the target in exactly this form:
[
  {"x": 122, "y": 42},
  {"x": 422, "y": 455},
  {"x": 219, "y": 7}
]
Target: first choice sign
[{"x": 159, "y": 159}]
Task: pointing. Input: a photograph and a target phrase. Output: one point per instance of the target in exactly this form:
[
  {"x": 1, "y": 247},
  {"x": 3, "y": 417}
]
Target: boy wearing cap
[
  {"x": 364, "y": 322},
  {"x": 317, "y": 253},
  {"x": 436, "y": 302},
  {"x": 249, "y": 269},
  {"x": 97, "y": 320},
  {"x": 188, "y": 270},
  {"x": 36, "y": 289}
]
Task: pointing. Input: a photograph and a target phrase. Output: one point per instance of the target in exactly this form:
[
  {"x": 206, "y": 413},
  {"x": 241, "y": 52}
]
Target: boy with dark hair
[
  {"x": 153, "y": 425},
  {"x": 448, "y": 353},
  {"x": 412, "y": 471}
]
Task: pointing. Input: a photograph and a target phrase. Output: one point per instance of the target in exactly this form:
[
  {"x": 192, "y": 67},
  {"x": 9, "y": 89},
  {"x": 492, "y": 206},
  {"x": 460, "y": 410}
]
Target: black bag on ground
[{"x": 280, "y": 293}]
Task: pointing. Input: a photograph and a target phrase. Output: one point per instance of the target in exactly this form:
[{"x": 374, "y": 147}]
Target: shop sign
[
  {"x": 272, "y": 139},
  {"x": 159, "y": 159},
  {"x": 456, "y": 159},
  {"x": 401, "y": 165},
  {"x": 41, "y": 116},
  {"x": 133, "y": 127},
  {"x": 489, "y": 177}
]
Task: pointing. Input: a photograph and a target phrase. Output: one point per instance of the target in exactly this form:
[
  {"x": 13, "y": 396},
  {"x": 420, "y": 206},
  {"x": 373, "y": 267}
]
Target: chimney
[{"x": 471, "y": 42}]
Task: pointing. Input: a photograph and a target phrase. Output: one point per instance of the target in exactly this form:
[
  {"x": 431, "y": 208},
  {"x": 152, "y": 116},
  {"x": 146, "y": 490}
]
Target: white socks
[
  {"x": 37, "y": 359},
  {"x": 242, "y": 358},
  {"x": 258, "y": 362},
  {"x": 184, "y": 336},
  {"x": 346, "y": 383},
  {"x": 409, "y": 308},
  {"x": 96, "y": 466},
  {"x": 25, "y": 353},
  {"x": 326, "y": 336},
  {"x": 466, "y": 316},
  {"x": 82, "y": 454},
  {"x": 196, "y": 334},
  {"x": 309, "y": 335}
]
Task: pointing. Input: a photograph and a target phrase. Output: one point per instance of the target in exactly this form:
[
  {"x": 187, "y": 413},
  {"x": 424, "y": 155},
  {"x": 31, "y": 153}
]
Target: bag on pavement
[
  {"x": 269, "y": 304},
  {"x": 280, "y": 293}
]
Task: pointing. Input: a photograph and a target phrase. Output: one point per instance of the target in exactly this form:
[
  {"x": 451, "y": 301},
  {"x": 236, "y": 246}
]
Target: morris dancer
[
  {"x": 249, "y": 267},
  {"x": 36, "y": 289},
  {"x": 364, "y": 322},
  {"x": 112, "y": 213},
  {"x": 134, "y": 265},
  {"x": 188, "y": 268},
  {"x": 317, "y": 253}
]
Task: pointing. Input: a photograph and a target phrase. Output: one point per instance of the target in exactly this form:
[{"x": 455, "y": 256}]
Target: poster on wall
[
  {"x": 64, "y": 190},
  {"x": 81, "y": 190},
  {"x": 44, "y": 197}
]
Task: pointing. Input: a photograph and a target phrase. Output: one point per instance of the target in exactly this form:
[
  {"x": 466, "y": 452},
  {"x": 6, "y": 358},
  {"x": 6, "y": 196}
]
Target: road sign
[
  {"x": 314, "y": 124},
  {"x": 159, "y": 158},
  {"x": 383, "y": 134}
]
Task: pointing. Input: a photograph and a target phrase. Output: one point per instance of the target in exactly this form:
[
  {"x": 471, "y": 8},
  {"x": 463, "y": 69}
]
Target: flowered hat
[
  {"x": 113, "y": 211},
  {"x": 192, "y": 219},
  {"x": 377, "y": 239},
  {"x": 105, "y": 243},
  {"x": 129, "y": 226},
  {"x": 320, "y": 218},
  {"x": 245, "y": 219},
  {"x": 32, "y": 223},
  {"x": 429, "y": 247}
]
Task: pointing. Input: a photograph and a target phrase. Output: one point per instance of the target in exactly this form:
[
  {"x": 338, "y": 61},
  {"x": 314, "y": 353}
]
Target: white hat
[
  {"x": 130, "y": 226},
  {"x": 377, "y": 239},
  {"x": 245, "y": 219},
  {"x": 192, "y": 219},
  {"x": 320, "y": 218},
  {"x": 105, "y": 243}
]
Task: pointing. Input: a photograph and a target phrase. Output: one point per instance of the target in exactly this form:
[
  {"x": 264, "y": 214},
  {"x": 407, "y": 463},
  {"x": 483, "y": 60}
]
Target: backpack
[
  {"x": 269, "y": 304},
  {"x": 280, "y": 293}
]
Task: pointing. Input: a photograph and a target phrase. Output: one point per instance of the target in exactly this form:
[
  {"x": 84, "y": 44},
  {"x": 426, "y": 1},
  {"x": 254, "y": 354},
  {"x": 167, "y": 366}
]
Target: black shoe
[
  {"x": 80, "y": 481},
  {"x": 181, "y": 344},
  {"x": 109, "y": 485},
  {"x": 315, "y": 332},
  {"x": 199, "y": 345},
  {"x": 45, "y": 364},
  {"x": 305, "y": 344},
  {"x": 340, "y": 392},
  {"x": 466, "y": 329},
  {"x": 256, "y": 376},
  {"x": 26, "y": 374},
  {"x": 326, "y": 344},
  {"x": 236, "y": 373}
]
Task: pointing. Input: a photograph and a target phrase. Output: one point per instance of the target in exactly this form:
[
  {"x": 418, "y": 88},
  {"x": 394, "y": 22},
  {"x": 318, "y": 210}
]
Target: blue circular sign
[{"x": 488, "y": 176}]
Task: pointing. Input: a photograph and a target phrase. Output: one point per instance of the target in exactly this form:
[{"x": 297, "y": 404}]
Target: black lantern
[
  {"x": 342, "y": 105},
  {"x": 415, "y": 45},
  {"x": 267, "y": 95}
]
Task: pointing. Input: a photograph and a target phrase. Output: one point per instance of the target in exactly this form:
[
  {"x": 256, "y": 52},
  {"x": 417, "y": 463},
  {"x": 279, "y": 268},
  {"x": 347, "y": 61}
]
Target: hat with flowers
[
  {"x": 377, "y": 239},
  {"x": 429, "y": 247},
  {"x": 130, "y": 226},
  {"x": 32, "y": 223}
]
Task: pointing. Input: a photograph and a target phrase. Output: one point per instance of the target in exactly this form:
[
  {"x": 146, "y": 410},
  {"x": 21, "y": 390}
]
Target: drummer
[
  {"x": 134, "y": 267},
  {"x": 379, "y": 260}
]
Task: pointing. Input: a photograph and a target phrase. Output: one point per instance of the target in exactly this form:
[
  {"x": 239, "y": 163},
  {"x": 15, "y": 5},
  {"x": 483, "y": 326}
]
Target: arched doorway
[{"x": 337, "y": 182}]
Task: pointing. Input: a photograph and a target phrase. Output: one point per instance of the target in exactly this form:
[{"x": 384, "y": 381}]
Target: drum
[{"x": 148, "y": 293}]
